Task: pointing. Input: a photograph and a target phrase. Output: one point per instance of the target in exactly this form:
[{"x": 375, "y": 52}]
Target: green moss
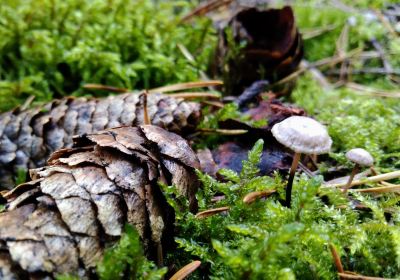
[
  {"x": 51, "y": 48},
  {"x": 355, "y": 121},
  {"x": 266, "y": 239}
]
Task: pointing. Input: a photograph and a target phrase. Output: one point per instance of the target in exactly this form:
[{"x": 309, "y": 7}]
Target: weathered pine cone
[
  {"x": 28, "y": 137},
  {"x": 61, "y": 221}
]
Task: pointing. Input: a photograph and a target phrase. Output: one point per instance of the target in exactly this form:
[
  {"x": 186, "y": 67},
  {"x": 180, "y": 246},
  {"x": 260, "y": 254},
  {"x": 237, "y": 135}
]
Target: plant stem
[
  {"x": 146, "y": 118},
  {"x": 353, "y": 173},
  {"x": 295, "y": 162}
]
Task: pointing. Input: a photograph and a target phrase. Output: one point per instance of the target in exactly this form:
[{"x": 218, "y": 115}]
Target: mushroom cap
[
  {"x": 303, "y": 135},
  {"x": 360, "y": 156}
]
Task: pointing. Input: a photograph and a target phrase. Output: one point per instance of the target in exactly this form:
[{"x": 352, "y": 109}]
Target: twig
[{"x": 372, "y": 179}]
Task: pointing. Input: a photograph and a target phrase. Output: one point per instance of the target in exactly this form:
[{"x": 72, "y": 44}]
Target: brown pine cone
[
  {"x": 28, "y": 137},
  {"x": 62, "y": 220}
]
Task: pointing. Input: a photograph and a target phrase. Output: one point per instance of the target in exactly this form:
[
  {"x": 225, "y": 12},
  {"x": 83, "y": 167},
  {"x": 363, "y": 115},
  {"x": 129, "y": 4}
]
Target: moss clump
[
  {"x": 50, "y": 48},
  {"x": 266, "y": 240}
]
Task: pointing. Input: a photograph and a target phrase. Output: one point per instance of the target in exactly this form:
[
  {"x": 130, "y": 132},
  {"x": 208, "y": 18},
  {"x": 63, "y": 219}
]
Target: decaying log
[
  {"x": 61, "y": 221},
  {"x": 28, "y": 137}
]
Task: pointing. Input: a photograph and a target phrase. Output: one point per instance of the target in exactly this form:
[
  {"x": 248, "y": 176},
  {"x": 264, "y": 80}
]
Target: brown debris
[
  {"x": 62, "y": 221},
  {"x": 230, "y": 155},
  {"x": 28, "y": 137},
  {"x": 273, "y": 48}
]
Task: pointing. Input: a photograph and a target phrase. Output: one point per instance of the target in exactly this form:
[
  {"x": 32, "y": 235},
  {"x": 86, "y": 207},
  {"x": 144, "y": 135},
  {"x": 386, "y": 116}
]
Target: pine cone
[
  {"x": 61, "y": 221},
  {"x": 29, "y": 137}
]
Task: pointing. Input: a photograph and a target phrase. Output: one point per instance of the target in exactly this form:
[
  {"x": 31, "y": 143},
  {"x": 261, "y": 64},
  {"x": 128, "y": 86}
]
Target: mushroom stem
[
  {"x": 146, "y": 118},
  {"x": 295, "y": 162},
  {"x": 355, "y": 170}
]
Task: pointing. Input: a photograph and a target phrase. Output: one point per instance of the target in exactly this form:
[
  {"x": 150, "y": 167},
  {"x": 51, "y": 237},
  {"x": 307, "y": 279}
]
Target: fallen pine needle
[
  {"x": 190, "y": 95},
  {"x": 211, "y": 212},
  {"x": 336, "y": 258},
  {"x": 105, "y": 87},
  {"x": 346, "y": 275},
  {"x": 384, "y": 189},
  {"x": 183, "y": 86},
  {"x": 224, "y": 131},
  {"x": 372, "y": 91},
  {"x": 372, "y": 179},
  {"x": 253, "y": 196},
  {"x": 186, "y": 270}
]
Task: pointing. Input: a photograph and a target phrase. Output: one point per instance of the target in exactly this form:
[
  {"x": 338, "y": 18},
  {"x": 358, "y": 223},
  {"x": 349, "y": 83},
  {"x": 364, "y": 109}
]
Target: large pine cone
[
  {"x": 27, "y": 138},
  {"x": 61, "y": 221}
]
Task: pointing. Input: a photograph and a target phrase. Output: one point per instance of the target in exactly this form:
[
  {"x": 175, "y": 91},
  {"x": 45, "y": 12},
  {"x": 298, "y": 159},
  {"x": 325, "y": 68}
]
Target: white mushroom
[
  {"x": 360, "y": 157},
  {"x": 303, "y": 135}
]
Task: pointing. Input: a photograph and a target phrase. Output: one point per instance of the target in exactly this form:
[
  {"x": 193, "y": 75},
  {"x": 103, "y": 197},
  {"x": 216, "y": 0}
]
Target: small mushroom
[
  {"x": 360, "y": 157},
  {"x": 303, "y": 135}
]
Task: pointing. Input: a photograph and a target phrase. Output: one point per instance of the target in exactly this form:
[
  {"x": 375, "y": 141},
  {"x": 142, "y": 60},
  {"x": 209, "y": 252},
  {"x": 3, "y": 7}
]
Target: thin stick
[
  {"x": 183, "y": 86},
  {"x": 211, "y": 212},
  {"x": 105, "y": 87},
  {"x": 146, "y": 118},
  {"x": 336, "y": 258},
  {"x": 186, "y": 270},
  {"x": 295, "y": 162},
  {"x": 372, "y": 179}
]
